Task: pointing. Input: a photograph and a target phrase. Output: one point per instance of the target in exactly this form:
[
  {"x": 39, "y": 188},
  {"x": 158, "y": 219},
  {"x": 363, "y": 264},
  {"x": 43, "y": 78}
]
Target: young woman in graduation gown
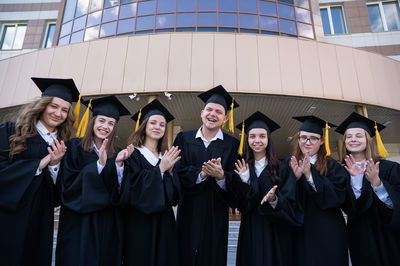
[
  {"x": 320, "y": 192},
  {"x": 30, "y": 152},
  {"x": 149, "y": 191},
  {"x": 264, "y": 235},
  {"x": 90, "y": 227},
  {"x": 373, "y": 196}
]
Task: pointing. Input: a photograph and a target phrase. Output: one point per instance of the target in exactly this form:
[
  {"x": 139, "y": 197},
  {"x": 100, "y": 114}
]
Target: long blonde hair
[
  {"x": 369, "y": 149},
  {"x": 25, "y": 125}
]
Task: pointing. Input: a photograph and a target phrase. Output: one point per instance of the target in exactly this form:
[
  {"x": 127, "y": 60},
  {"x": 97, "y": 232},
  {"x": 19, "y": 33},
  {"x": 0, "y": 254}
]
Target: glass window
[
  {"x": 66, "y": 29},
  {"x": 227, "y": 5},
  {"x": 186, "y": 5},
  {"x": 267, "y": 8},
  {"x": 48, "y": 40},
  {"x": 206, "y": 19},
  {"x": 69, "y": 10},
  {"x": 206, "y": 5},
  {"x": 286, "y": 1},
  {"x": 305, "y": 30},
  {"x": 13, "y": 36},
  {"x": 126, "y": 1},
  {"x": 146, "y": 8},
  {"x": 64, "y": 40},
  {"x": 392, "y": 15},
  {"x": 93, "y": 19},
  {"x": 82, "y": 8},
  {"x": 286, "y": 11},
  {"x": 166, "y": 6},
  {"x": 91, "y": 33},
  {"x": 248, "y": 6},
  {"x": 287, "y": 26},
  {"x": 248, "y": 21},
  {"x": 96, "y": 4},
  {"x": 108, "y": 29},
  {"x": 228, "y": 20},
  {"x": 333, "y": 20},
  {"x": 303, "y": 15},
  {"x": 325, "y": 21},
  {"x": 185, "y": 19},
  {"x": 268, "y": 23},
  {"x": 165, "y": 21},
  {"x": 375, "y": 18},
  {"x": 108, "y": 3},
  {"x": 79, "y": 23},
  {"x": 127, "y": 11},
  {"x": 77, "y": 37},
  {"x": 145, "y": 23},
  {"x": 126, "y": 25},
  {"x": 302, "y": 3},
  {"x": 110, "y": 14}
]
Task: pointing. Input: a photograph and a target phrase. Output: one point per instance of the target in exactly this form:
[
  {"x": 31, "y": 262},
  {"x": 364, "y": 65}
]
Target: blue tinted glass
[
  {"x": 392, "y": 15},
  {"x": 165, "y": 21},
  {"x": 79, "y": 23},
  {"x": 185, "y": 19},
  {"x": 267, "y": 8},
  {"x": 108, "y": 29},
  {"x": 248, "y": 21},
  {"x": 69, "y": 10},
  {"x": 164, "y": 30},
  {"x": 228, "y": 29},
  {"x": 325, "y": 21},
  {"x": 81, "y": 8},
  {"x": 337, "y": 20},
  {"x": 227, "y": 5},
  {"x": 110, "y": 14},
  {"x": 206, "y": 5},
  {"x": 248, "y": 6},
  {"x": 206, "y": 19},
  {"x": 63, "y": 41},
  {"x": 166, "y": 6},
  {"x": 302, "y": 3},
  {"x": 268, "y": 23},
  {"x": 305, "y": 30},
  {"x": 77, "y": 36},
  {"x": 93, "y": 19},
  {"x": 303, "y": 15},
  {"x": 126, "y": 25},
  {"x": 91, "y": 33},
  {"x": 375, "y": 18},
  {"x": 50, "y": 36},
  {"x": 127, "y": 11},
  {"x": 248, "y": 31},
  {"x": 186, "y": 5},
  {"x": 286, "y": 1},
  {"x": 108, "y": 3},
  {"x": 287, "y": 26},
  {"x": 209, "y": 29},
  {"x": 66, "y": 29},
  {"x": 286, "y": 11},
  {"x": 146, "y": 8},
  {"x": 185, "y": 29},
  {"x": 125, "y": 1},
  {"x": 145, "y": 23},
  {"x": 269, "y": 32},
  {"x": 95, "y": 5},
  {"x": 227, "y": 20}
]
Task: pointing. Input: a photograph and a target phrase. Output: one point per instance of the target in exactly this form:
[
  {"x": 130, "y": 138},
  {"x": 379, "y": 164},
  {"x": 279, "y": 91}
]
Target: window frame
[
  {"x": 2, "y": 34},
  {"x": 382, "y": 12},
  {"x": 46, "y": 33},
  {"x": 328, "y": 8}
]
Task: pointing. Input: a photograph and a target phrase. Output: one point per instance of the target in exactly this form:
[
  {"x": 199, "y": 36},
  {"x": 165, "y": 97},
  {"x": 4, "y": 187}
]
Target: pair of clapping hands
[
  {"x": 301, "y": 167},
  {"x": 56, "y": 153},
  {"x": 367, "y": 168},
  {"x": 213, "y": 168}
]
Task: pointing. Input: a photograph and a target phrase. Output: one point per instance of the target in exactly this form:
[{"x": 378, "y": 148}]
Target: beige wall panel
[
  {"x": 77, "y": 63},
  {"x": 310, "y": 69},
  {"x": 59, "y": 64},
  {"x": 202, "y": 72},
  {"x": 24, "y": 82},
  {"x": 290, "y": 66},
  {"x": 10, "y": 83},
  {"x": 269, "y": 64},
  {"x": 94, "y": 67},
  {"x": 42, "y": 68},
  {"x": 179, "y": 66},
  {"x": 329, "y": 71},
  {"x": 379, "y": 67},
  {"x": 248, "y": 79},
  {"x": 225, "y": 61},
  {"x": 3, "y": 77},
  {"x": 157, "y": 62},
  {"x": 114, "y": 68},
  {"x": 135, "y": 64},
  {"x": 395, "y": 92},
  {"x": 348, "y": 74}
]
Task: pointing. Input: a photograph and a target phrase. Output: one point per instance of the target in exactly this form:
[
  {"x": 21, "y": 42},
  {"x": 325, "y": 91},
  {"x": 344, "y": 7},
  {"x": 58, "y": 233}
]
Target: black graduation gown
[
  {"x": 90, "y": 227},
  {"x": 322, "y": 239},
  {"x": 373, "y": 229},
  {"x": 203, "y": 210},
  {"x": 26, "y": 204},
  {"x": 265, "y": 235},
  {"x": 150, "y": 237}
]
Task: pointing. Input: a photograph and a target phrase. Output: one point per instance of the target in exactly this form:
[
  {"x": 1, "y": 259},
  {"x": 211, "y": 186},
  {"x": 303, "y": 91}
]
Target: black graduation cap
[
  {"x": 152, "y": 108},
  {"x": 312, "y": 124},
  {"x": 355, "y": 120},
  {"x": 220, "y": 96},
  {"x": 108, "y": 106},
  {"x": 258, "y": 120},
  {"x": 61, "y": 88}
]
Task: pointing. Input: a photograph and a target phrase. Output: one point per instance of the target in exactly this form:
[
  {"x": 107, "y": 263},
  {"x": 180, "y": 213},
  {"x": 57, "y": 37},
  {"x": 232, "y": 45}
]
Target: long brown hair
[
  {"x": 138, "y": 138},
  {"x": 25, "y": 126},
  {"x": 369, "y": 149},
  {"x": 321, "y": 163},
  {"x": 88, "y": 139}
]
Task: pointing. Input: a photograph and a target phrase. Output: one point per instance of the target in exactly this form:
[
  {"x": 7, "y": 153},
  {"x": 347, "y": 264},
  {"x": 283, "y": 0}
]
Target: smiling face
[
  {"x": 55, "y": 113},
  {"x": 309, "y": 142},
  {"x": 103, "y": 127},
  {"x": 355, "y": 140},
  {"x": 258, "y": 140},
  {"x": 155, "y": 127},
  {"x": 213, "y": 116}
]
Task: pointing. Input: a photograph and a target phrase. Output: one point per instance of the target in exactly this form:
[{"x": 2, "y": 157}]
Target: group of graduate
[{"x": 116, "y": 204}]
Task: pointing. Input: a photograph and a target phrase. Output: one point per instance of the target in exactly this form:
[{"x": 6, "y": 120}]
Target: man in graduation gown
[{"x": 207, "y": 178}]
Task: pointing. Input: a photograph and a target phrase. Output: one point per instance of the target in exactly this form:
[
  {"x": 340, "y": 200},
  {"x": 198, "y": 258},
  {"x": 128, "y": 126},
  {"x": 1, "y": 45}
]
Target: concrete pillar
[
  {"x": 361, "y": 109},
  {"x": 151, "y": 98},
  {"x": 170, "y": 133}
]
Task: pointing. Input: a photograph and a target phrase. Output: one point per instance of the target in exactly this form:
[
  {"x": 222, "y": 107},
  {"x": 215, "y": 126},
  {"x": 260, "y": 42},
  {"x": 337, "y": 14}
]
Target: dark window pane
[
  {"x": 166, "y": 6},
  {"x": 268, "y": 23},
  {"x": 287, "y": 26},
  {"x": 248, "y": 6},
  {"x": 206, "y": 5},
  {"x": 96, "y": 4},
  {"x": 93, "y": 19},
  {"x": 228, "y": 29},
  {"x": 227, "y": 20},
  {"x": 77, "y": 36},
  {"x": 146, "y": 8},
  {"x": 186, "y": 5},
  {"x": 248, "y": 31},
  {"x": 64, "y": 40},
  {"x": 66, "y": 29},
  {"x": 325, "y": 21},
  {"x": 127, "y": 11},
  {"x": 286, "y": 11},
  {"x": 126, "y": 25},
  {"x": 206, "y": 19},
  {"x": 227, "y": 5},
  {"x": 82, "y": 8},
  {"x": 164, "y": 30},
  {"x": 248, "y": 21},
  {"x": 303, "y": 15},
  {"x": 267, "y": 8},
  {"x": 92, "y": 33},
  {"x": 305, "y": 30},
  {"x": 69, "y": 10},
  {"x": 392, "y": 15},
  {"x": 145, "y": 23},
  {"x": 79, "y": 23},
  {"x": 286, "y": 1},
  {"x": 302, "y": 3},
  {"x": 375, "y": 18},
  {"x": 165, "y": 21},
  {"x": 337, "y": 20},
  {"x": 108, "y": 3},
  {"x": 110, "y": 14},
  {"x": 269, "y": 32},
  {"x": 209, "y": 29},
  {"x": 185, "y": 19},
  {"x": 144, "y": 32},
  {"x": 185, "y": 29},
  {"x": 108, "y": 29}
]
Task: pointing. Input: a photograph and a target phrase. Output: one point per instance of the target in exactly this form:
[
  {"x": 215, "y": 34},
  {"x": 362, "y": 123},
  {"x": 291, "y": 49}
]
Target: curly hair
[{"x": 25, "y": 125}]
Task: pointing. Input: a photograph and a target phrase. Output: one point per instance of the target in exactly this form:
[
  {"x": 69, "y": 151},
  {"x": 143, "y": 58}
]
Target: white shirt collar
[
  {"x": 95, "y": 149},
  {"x": 48, "y": 136},
  {"x": 219, "y": 135},
  {"x": 150, "y": 157},
  {"x": 260, "y": 165},
  {"x": 313, "y": 159}
]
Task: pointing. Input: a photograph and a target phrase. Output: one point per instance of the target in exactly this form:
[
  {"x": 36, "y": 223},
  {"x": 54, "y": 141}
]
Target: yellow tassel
[
  {"x": 77, "y": 109},
  {"x": 240, "y": 150},
  {"x": 381, "y": 149},
  {"x": 231, "y": 125},
  {"x": 328, "y": 149},
  {"x": 85, "y": 119},
  {"x": 138, "y": 120}
]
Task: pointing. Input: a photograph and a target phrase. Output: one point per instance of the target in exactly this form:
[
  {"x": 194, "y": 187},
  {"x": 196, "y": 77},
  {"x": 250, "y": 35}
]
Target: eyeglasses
[{"x": 303, "y": 139}]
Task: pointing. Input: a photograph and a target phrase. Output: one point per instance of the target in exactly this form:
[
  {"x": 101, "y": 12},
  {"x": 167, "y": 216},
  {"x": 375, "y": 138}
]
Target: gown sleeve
[{"x": 172, "y": 189}]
